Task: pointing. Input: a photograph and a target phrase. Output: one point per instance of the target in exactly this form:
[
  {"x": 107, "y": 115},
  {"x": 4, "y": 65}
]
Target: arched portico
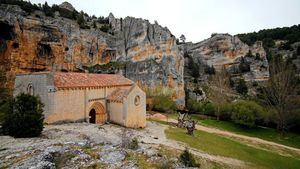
[{"x": 97, "y": 113}]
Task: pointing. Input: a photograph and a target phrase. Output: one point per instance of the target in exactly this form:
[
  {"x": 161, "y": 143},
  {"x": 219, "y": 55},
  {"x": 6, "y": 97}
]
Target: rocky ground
[{"x": 83, "y": 145}]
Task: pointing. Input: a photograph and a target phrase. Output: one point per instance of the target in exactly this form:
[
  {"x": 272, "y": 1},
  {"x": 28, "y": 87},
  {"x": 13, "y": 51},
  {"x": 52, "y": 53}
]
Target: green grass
[
  {"x": 290, "y": 139},
  {"x": 218, "y": 145}
]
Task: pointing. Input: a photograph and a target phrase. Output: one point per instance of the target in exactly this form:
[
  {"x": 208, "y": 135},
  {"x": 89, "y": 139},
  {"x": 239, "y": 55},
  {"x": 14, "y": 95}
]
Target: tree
[
  {"x": 242, "y": 87},
  {"x": 47, "y": 10},
  {"x": 194, "y": 67},
  {"x": 80, "y": 20},
  {"x": 182, "y": 38},
  {"x": 94, "y": 24},
  {"x": 23, "y": 116},
  {"x": 218, "y": 89},
  {"x": 279, "y": 91}
]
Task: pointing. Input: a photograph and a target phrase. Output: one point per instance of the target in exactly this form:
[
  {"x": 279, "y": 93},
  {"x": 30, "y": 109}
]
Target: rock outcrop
[
  {"x": 226, "y": 50},
  {"x": 34, "y": 42}
]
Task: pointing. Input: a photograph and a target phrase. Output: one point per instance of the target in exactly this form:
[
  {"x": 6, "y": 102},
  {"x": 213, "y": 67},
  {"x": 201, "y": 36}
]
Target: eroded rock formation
[
  {"x": 226, "y": 50},
  {"x": 34, "y": 42}
]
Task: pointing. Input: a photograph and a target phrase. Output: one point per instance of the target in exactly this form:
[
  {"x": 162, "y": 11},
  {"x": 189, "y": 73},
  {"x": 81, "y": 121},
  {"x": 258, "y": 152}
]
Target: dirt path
[
  {"x": 154, "y": 134},
  {"x": 252, "y": 140}
]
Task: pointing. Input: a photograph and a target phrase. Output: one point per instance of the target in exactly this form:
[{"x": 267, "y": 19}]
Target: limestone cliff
[
  {"x": 35, "y": 42},
  {"x": 155, "y": 59},
  {"x": 226, "y": 50}
]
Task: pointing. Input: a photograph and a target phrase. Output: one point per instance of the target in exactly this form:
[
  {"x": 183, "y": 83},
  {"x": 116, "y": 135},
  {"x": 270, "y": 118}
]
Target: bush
[
  {"x": 105, "y": 28},
  {"x": 243, "y": 116},
  {"x": 225, "y": 111},
  {"x": 210, "y": 70},
  {"x": 23, "y": 116},
  {"x": 205, "y": 108},
  {"x": 194, "y": 68},
  {"x": 134, "y": 144},
  {"x": 47, "y": 10},
  {"x": 257, "y": 56},
  {"x": 81, "y": 21},
  {"x": 242, "y": 87},
  {"x": 244, "y": 66},
  {"x": 249, "y": 54},
  {"x": 248, "y": 113},
  {"x": 164, "y": 103},
  {"x": 194, "y": 106},
  {"x": 188, "y": 159}
]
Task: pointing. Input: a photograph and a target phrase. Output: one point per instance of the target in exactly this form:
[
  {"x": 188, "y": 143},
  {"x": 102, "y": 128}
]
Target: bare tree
[
  {"x": 219, "y": 89},
  {"x": 279, "y": 91},
  {"x": 185, "y": 121}
]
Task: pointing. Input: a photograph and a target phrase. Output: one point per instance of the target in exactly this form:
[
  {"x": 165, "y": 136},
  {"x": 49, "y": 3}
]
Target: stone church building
[{"x": 95, "y": 98}]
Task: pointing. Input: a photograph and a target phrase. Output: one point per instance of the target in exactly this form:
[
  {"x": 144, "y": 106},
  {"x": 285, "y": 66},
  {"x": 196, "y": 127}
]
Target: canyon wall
[{"x": 34, "y": 42}]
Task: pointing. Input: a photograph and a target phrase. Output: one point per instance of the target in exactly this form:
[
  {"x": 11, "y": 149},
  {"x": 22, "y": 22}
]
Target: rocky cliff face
[
  {"x": 226, "y": 50},
  {"x": 35, "y": 42},
  {"x": 155, "y": 59},
  {"x": 223, "y": 50}
]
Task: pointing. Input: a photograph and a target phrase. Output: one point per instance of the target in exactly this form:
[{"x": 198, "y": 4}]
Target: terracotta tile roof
[
  {"x": 117, "y": 95},
  {"x": 74, "y": 80}
]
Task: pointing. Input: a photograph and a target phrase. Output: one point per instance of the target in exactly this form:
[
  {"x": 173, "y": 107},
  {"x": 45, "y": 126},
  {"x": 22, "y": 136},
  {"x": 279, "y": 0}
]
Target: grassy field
[
  {"x": 290, "y": 139},
  {"x": 218, "y": 145}
]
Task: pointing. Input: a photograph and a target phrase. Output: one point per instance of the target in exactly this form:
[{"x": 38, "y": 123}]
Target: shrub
[
  {"x": 194, "y": 68},
  {"x": 105, "y": 28},
  {"x": 208, "y": 108},
  {"x": 188, "y": 159},
  {"x": 243, "y": 116},
  {"x": 194, "y": 106},
  {"x": 134, "y": 144},
  {"x": 248, "y": 113},
  {"x": 163, "y": 103},
  {"x": 47, "y": 10},
  {"x": 257, "y": 56},
  {"x": 23, "y": 116},
  {"x": 205, "y": 108},
  {"x": 210, "y": 70},
  {"x": 249, "y": 54},
  {"x": 81, "y": 21},
  {"x": 225, "y": 111},
  {"x": 242, "y": 87},
  {"x": 244, "y": 66}
]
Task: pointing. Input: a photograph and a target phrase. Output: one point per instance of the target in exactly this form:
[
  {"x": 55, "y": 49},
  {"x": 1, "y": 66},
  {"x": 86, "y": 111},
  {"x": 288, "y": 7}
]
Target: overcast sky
[{"x": 198, "y": 19}]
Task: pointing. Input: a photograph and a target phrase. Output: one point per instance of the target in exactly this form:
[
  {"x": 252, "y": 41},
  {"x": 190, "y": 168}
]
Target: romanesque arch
[{"x": 97, "y": 113}]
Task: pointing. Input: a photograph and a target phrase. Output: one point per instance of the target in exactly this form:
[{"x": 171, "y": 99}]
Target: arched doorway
[
  {"x": 92, "y": 115},
  {"x": 97, "y": 114}
]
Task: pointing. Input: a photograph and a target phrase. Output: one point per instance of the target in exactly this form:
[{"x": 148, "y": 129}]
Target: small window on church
[
  {"x": 137, "y": 100},
  {"x": 30, "y": 89}
]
